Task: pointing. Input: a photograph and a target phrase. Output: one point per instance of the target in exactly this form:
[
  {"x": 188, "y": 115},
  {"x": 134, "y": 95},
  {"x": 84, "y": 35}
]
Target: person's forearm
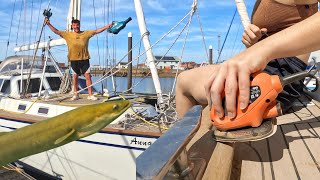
[
  {"x": 103, "y": 28},
  {"x": 300, "y": 38}
]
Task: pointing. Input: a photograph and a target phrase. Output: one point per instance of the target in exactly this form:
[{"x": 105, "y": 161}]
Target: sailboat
[{"x": 30, "y": 93}]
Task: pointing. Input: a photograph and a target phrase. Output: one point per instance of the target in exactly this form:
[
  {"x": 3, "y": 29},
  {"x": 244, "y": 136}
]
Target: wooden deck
[{"x": 292, "y": 153}]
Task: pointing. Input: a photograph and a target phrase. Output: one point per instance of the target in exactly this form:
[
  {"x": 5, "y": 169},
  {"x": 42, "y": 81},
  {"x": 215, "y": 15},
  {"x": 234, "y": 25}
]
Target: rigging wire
[
  {"x": 95, "y": 23},
  {"x": 18, "y": 30},
  {"x": 104, "y": 41},
  {"x": 146, "y": 33},
  {"x": 114, "y": 46},
  {"x": 107, "y": 36},
  {"x": 204, "y": 41},
  {"x": 234, "y": 14},
  {"x": 24, "y": 22},
  {"x": 107, "y": 56},
  {"x": 228, "y": 54},
  {"x": 185, "y": 40},
  {"x": 14, "y": 5},
  {"x": 33, "y": 58},
  {"x": 112, "y": 73},
  {"x": 30, "y": 23},
  {"x": 38, "y": 21},
  {"x": 103, "y": 45},
  {"x": 69, "y": 163},
  {"x": 236, "y": 37}
]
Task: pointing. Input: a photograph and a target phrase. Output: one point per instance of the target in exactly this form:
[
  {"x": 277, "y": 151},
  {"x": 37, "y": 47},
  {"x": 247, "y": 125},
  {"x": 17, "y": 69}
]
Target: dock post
[
  {"x": 210, "y": 54},
  {"x": 130, "y": 62}
]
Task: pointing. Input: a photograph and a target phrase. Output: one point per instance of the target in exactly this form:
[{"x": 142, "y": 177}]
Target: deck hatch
[
  {"x": 22, "y": 107},
  {"x": 43, "y": 110}
]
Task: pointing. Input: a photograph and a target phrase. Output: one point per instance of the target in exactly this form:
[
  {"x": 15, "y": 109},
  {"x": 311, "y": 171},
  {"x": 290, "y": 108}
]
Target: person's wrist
[{"x": 265, "y": 50}]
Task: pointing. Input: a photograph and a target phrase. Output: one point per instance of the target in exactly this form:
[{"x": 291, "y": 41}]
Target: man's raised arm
[
  {"x": 53, "y": 29},
  {"x": 97, "y": 31}
]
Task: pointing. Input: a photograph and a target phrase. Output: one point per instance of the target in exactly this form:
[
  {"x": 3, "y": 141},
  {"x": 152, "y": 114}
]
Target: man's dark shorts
[
  {"x": 80, "y": 66},
  {"x": 284, "y": 67}
]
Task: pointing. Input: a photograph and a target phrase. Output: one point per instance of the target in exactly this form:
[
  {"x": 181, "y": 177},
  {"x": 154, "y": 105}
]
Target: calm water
[{"x": 145, "y": 86}]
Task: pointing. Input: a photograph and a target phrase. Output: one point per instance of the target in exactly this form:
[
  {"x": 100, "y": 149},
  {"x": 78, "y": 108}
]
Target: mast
[
  {"x": 149, "y": 54},
  {"x": 74, "y": 12}
]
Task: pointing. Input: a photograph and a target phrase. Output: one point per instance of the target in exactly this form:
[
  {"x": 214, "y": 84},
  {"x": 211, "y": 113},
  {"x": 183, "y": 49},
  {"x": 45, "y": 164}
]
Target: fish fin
[
  {"x": 87, "y": 130},
  {"x": 83, "y": 134},
  {"x": 63, "y": 138}
]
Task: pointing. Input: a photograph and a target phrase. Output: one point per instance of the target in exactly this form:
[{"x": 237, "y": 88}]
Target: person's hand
[
  {"x": 252, "y": 34},
  {"x": 231, "y": 76},
  {"x": 47, "y": 21}
]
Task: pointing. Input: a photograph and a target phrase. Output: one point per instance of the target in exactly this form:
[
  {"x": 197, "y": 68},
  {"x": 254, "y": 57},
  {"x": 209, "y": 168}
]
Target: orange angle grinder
[{"x": 257, "y": 121}]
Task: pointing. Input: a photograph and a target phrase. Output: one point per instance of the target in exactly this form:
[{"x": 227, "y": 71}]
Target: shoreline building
[{"x": 166, "y": 62}]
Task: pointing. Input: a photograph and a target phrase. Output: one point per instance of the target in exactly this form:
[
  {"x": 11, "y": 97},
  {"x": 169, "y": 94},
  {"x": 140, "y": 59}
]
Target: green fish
[{"x": 59, "y": 130}]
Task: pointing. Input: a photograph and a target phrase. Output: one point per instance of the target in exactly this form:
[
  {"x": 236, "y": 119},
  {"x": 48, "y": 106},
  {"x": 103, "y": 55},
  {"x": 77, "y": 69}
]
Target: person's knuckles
[{"x": 256, "y": 30}]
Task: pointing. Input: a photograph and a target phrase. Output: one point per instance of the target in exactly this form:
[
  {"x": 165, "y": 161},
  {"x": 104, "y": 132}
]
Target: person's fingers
[
  {"x": 245, "y": 42},
  {"x": 255, "y": 30},
  {"x": 216, "y": 91},
  {"x": 208, "y": 85},
  {"x": 231, "y": 87},
  {"x": 244, "y": 88},
  {"x": 264, "y": 30},
  {"x": 251, "y": 35}
]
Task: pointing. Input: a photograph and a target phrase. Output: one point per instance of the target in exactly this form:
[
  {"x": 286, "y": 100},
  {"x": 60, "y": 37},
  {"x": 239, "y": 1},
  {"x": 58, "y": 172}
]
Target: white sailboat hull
[{"x": 104, "y": 155}]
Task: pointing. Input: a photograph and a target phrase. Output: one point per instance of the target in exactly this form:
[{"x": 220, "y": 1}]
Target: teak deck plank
[{"x": 293, "y": 152}]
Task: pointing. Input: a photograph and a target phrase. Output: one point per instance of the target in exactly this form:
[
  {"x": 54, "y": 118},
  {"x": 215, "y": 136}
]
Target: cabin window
[
  {"x": 34, "y": 85},
  {"x": 43, "y": 110},
  {"x": 22, "y": 107},
  {"x": 6, "y": 87},
  {"x": 50, "y": 69},
  {"x": 54, "y": 83}
]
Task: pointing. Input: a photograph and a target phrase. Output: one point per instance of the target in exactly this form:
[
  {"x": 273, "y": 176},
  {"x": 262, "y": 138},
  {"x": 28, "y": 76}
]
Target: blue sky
[{"x": 160, "y": 15}]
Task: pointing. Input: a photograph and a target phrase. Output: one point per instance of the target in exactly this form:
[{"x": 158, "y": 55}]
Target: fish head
[
  {"x": 101, "y": 115},
  {"x": 115, "y": 108}
]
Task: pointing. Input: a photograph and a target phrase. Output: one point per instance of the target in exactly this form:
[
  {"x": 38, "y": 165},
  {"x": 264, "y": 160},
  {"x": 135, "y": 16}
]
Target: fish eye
[{"x": 115, "y": 106}]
